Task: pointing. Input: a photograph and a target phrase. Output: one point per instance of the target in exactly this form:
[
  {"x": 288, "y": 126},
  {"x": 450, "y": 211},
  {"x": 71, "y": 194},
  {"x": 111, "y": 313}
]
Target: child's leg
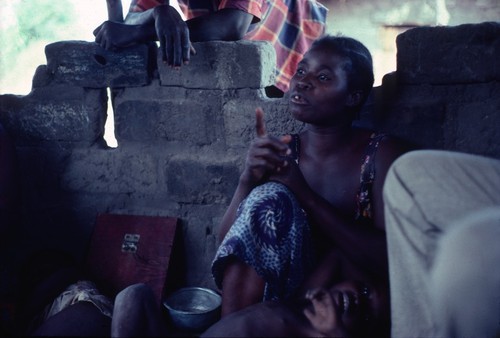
[{"x": 137, "y": 314}]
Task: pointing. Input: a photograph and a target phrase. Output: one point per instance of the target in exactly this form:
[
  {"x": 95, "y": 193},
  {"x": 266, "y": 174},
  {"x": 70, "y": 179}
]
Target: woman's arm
[
  {"x": 265, "y": 156},
  {"x": 364, "y": 246}
]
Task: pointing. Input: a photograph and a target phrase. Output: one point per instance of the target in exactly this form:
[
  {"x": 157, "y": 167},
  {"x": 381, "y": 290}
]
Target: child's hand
[{"x": 325, "y": 315}]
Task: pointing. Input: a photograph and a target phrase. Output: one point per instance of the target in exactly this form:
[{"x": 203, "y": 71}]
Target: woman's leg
[
  {"x": 241, "y": 287},
  {"x": 267, "y": 251}
]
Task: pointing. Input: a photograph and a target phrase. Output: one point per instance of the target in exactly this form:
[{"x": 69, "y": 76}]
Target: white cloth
[
  {"x": 426, "y": 194},
  {"x": 81, "y": 291},
  {"x": 465, "y": 278}
]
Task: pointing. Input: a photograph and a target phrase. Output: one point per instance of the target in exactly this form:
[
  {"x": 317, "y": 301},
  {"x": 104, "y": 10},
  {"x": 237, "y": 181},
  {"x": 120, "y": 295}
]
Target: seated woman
[{"x": 302, "y": 196}]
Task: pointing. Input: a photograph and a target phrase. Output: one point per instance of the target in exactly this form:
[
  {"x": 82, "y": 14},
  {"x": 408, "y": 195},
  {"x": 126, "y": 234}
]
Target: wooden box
[{"x": 129, "y": 249}]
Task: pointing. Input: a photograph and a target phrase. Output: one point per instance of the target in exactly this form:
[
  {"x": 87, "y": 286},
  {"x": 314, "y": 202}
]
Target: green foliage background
[{"x": 33, "y": 20}]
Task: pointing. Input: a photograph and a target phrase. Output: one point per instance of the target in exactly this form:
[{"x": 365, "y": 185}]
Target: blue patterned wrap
[{"x": 271, "y": 234}]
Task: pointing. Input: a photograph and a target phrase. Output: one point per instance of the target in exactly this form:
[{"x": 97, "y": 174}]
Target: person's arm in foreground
[{"x": 115, "y": 10}]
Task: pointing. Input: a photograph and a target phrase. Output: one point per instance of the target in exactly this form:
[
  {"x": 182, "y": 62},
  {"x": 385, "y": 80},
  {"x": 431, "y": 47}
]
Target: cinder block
[
  {"x": 157, "y": 114},
  {"x": 40, "y": 167},
  {"x": 473, "y": 127},
  {"x": 467, "y": 53},
  {"x": 43, "y": 77},
  {"x": 200, "y": 237},
  {"x": 202, "y": 178},
  {"x": 239, "y": 118},
  {"x": 111, "y": 171},
  {"x": 86, "y": 64},
  {"x": 224, "y": 65},
  {"x": 59, "y": 113},
  {"x": 416, "y": 115},
  {"x": 10, "y": 105}
]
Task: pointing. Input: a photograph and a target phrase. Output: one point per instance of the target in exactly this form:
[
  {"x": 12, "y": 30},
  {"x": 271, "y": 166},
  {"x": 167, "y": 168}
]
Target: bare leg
[
  {"x": 241, "y": 287},
  {"x": 137, "y": 314}
]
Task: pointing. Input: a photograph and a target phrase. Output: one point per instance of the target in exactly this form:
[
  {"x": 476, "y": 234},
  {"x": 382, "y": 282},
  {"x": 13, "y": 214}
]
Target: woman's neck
[{"x": 325, "y": 140}]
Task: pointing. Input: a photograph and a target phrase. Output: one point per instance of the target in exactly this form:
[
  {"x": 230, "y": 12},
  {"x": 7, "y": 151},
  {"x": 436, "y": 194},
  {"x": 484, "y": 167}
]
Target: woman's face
[{"x": 319, "y": 88}]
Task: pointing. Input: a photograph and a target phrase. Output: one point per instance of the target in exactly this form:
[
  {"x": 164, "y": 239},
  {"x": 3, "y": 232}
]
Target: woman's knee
[{"x": 270, "y": 188}]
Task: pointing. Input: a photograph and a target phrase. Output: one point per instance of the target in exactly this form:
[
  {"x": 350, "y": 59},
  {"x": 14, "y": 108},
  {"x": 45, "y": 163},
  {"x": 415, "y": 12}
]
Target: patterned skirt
[{"x": 271, "y": 234}]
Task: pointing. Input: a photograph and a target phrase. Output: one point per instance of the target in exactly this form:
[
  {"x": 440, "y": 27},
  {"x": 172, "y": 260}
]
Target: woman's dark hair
[{"x": 359, "y": 65}]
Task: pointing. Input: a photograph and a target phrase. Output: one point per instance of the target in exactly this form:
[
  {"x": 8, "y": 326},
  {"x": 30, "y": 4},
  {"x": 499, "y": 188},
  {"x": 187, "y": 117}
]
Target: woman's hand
[
  {"x": 292, "y": 177},
  {"x": 266, "y": 155}
]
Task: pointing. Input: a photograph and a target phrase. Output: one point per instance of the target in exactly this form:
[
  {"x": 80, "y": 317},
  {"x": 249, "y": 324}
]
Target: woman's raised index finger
[{"x": 260, "y": 127}]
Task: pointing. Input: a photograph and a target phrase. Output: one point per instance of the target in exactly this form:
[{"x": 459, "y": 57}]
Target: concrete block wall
[
  {"x": 445, "y": 93},
  {"x": 182, "y": 135}
]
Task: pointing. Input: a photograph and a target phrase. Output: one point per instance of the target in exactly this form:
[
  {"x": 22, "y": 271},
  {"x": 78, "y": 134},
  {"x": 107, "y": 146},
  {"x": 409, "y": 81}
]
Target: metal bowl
[{"x": 193, "y": 308}]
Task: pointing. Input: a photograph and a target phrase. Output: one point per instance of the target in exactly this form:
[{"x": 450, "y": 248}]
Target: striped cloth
[{"x": 289, "y": 25}]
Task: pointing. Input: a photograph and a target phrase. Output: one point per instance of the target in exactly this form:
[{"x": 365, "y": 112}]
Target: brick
[
  {"x": 466, "y": 53},
  {"x": 10, "y": 105},
  {"x": 42, "y": 78},
  {"x": 414, "y": 115},
  {"x": 168, "y": 115},
  {"x": 111, "y": 171},
  {"x": 202, "y": 178},
  {"x": 200, "y": 237},
  {"x": 40, "y": 167},
  {"x": 86, "y": 64},
  {"x": 59, "y": 113},
  {"x": 239, "y": 118},
  {"x": 473, "y": 127},
  {"x": 224, "y": 65}
]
